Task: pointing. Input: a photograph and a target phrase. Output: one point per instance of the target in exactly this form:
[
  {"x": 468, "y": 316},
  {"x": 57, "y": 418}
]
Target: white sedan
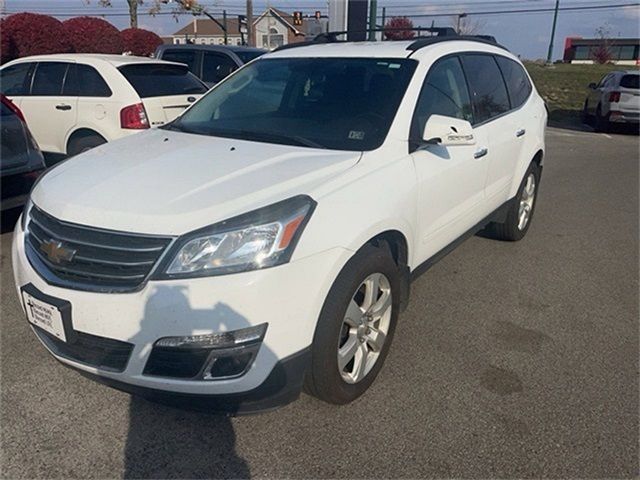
[{"x": 74, "y": 102}]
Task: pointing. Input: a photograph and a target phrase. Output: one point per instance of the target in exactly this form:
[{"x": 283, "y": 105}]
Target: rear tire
[
  {"x": 601, "y": 123},
  {"x": 82, "y": 144},
  {"x": 522, "y": 208},
  {"x": 372, "y": 278}
]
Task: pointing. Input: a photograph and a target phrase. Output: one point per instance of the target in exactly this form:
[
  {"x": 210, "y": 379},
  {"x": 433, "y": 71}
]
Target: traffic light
[
  {"x": 297, "y": 18},
  {"x": 318, "y": 14},
  {"x": 242, "y": 23}
]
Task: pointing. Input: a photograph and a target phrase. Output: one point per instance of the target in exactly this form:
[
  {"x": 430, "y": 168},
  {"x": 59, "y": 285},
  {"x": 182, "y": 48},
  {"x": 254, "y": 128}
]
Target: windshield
[
  {"x": 334, "y": 103},
  {"x": 630, "y": 81},
  {"x": 162, "y": 80}
]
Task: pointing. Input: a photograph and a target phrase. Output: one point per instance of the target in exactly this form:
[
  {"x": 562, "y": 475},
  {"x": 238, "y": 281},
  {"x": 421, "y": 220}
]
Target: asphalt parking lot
[{"x": 513, "y": 360}]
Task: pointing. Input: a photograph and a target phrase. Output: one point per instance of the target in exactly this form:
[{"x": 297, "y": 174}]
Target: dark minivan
[{"x": 210, "y": 63}]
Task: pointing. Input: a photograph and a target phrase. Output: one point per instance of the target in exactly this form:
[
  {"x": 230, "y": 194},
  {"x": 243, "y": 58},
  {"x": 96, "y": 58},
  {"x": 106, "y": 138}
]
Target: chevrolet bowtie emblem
[{"x": 56, "y": 252}]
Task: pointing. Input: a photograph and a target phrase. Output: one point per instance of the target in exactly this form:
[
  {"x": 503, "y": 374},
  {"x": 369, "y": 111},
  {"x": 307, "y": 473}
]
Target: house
[
  {"x": 272, "y": 29},
  {"x": 275, "y": 28},
  {"x": 204, "y": 31},
  {"x": 623, "y": 51}
]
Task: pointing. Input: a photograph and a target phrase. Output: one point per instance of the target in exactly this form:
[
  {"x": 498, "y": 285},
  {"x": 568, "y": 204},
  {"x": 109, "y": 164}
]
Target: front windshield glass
[{"x": 334, "y": 103}]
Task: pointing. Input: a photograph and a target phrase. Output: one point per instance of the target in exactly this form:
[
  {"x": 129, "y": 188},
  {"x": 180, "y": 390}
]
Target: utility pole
[
  {"x": 553, "y": 33},
  {"x": 224, "y": 22},
  {"x": 384, "y": 19},
  {"x": 373, "y": 11},
  {"x": 250, "y": 39}
]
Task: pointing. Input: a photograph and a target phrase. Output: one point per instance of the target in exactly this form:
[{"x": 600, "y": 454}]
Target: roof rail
[
  {"x": 438, "y": 34},
  {"x": 424, "y": 42}
]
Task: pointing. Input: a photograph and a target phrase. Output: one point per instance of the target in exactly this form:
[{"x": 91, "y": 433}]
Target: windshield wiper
[{"x": 294, "y": 139}]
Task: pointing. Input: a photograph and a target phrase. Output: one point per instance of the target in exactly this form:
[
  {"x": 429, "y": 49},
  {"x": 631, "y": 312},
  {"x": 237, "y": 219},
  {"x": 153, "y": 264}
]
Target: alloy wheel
[
  {"x": 526, "y": 201},
  {"x": 364, "y": 328}
]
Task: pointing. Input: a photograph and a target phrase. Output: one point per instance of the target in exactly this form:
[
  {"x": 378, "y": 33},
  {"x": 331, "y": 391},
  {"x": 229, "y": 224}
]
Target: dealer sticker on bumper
[{"x": 44, "y": 315}]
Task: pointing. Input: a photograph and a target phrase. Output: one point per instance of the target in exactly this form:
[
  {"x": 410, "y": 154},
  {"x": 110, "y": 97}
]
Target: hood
[{"x": 170, "y": 183}]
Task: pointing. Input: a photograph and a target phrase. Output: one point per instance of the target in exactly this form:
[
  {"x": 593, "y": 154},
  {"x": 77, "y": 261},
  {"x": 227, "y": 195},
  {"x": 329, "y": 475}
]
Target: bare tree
[
  {"x": 603, "y": 52},
  {"x": 154, "y": 7},
  {"x": 465, "y": 26}
]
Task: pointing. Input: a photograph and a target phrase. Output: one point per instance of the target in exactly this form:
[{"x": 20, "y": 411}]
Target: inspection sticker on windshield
[{"x": 356, "y": 135}]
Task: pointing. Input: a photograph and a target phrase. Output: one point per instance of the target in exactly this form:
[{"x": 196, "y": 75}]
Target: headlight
[{"x": 263, "y": 238}]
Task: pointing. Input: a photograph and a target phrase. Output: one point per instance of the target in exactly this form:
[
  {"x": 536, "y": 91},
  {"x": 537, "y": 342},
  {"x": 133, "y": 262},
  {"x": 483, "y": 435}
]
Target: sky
[{"x": 525, "y": 34}]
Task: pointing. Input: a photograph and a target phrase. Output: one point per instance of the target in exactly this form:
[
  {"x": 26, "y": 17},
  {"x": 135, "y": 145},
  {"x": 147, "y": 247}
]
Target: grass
[{"x": 564, "y": 87}]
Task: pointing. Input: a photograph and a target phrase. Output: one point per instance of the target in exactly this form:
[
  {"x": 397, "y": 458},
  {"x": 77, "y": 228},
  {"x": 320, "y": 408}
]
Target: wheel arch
[{"x": 82, "y": 132}]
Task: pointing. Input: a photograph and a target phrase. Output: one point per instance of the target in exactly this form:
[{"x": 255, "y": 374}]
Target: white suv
[
  {"x": 75, "y": 102},
  {"x": 267, "y": 238}
]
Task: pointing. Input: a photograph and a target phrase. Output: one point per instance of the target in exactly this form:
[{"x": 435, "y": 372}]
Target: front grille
[
  {"x": 99, "y": 352},
  {"x": 91, "y": 258}
]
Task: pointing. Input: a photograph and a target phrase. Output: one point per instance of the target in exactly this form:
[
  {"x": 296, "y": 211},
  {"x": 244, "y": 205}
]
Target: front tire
[
  {"x": 521, "y": 211},
  {"x": 356, "y": 327}
]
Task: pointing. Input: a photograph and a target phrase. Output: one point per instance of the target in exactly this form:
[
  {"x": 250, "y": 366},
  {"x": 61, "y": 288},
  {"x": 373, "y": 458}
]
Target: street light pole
[{"x": 553, "y": 33}]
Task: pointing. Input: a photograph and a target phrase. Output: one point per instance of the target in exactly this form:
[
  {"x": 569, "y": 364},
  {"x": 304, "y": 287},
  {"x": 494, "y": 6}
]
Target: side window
[
  {"x": 215, "y": 67},
  {"x": 518, "y": 84},
  {"x": 85, "y": 81},
  {"x": 14, "y": 80},
  {"x": 488, "y": 91},
  {"x": 604, "y": 80},
  {"x": 188, "y": 57},
  {"x": 444, "y": 93},
  {"x": 48, "y": 78}
]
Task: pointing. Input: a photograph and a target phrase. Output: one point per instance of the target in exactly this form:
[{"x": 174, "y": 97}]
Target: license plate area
[{"x": 51, "y": 314}]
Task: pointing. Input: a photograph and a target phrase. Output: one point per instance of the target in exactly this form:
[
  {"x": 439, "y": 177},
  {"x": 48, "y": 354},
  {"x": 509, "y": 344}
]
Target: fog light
[
  {"x": 216, "y": 340},
  {"x": 213, "y": 356}
]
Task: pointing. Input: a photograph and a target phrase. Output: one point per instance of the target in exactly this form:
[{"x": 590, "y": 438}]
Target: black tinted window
[
  {"x": 488, "y": 92},
  {"x": 85, "y": 81},
  {"x": 182, "y": 56},
  {"x": 48, "y": 79},
  {"x": 247, "y": 56},
  {"x": 630, "y": 81},
  {"x": 14, "y": 80},
  {"x": 158, "y": 80},
  {"x": 334, "y": 103},
  {"x": 516, "y": 79},
  {"x": 443, "y": 93},
  {"x": 215, "y": 67}
]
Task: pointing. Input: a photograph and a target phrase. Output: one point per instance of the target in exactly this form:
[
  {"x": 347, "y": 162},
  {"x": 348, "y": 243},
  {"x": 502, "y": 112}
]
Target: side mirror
[
  {"x": 593, "y": 86},
  {"x": 448, "y": 131}
]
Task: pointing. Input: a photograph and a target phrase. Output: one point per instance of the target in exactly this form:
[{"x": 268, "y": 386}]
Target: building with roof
[
  {"x": 623, "y": 51},
  {"x": 272, "y": 29}
]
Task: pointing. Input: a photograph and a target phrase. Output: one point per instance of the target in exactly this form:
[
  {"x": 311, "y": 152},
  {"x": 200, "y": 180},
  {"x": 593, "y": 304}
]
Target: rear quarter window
[
  {"x": 518, "y": 84},
  {"x": 158, "y": 80},
  {"x": 85, "y": 81},
  {"x": 630, "y": 81}
]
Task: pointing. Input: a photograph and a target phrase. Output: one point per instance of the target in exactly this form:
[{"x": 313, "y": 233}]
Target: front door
[
  {"x": 50, "y": 115},
  {"x": 450, "y": 179}
]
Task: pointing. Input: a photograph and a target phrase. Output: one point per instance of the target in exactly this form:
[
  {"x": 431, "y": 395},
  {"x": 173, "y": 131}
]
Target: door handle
[
  {"x": 62, "y": 106},
  {"x": 480, "y": 153},
  {"x": 520, "y": 132}
]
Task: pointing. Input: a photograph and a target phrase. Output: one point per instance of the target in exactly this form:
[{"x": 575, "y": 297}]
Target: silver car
[{"x": 615, "y": 99}]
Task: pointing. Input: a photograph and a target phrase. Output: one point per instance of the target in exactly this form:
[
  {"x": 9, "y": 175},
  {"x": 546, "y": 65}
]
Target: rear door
[
  {"x": 490, "y": 111},
  {"x": 630, "y": 93},
  {"x": 50, "y": 114},
  {"x": 166, "y": 90}
]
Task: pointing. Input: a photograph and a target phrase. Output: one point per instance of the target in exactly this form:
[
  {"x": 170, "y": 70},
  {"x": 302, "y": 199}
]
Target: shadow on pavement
[
  {"x": 164, "y": 442},
  {"x": 184, "y": 442},
  {"x": 572, "y": 120}
]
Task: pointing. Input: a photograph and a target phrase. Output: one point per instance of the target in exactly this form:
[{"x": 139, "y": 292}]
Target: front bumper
[{"x": 288, "y": 298}]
